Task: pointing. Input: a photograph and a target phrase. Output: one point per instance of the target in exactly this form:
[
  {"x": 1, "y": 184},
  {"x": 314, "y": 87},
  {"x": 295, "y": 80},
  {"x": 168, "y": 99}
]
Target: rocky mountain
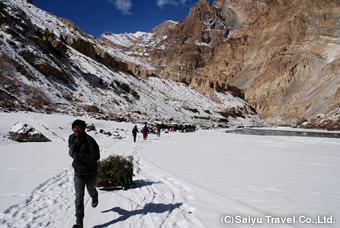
[
  {"x": 282, "y": 57},
  {"x": 48, "y": 65},
  {"x": 287, "y": 61}
]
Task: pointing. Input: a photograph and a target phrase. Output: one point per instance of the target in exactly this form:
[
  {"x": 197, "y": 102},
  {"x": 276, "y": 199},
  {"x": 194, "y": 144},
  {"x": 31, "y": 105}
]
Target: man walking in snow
[
  {"x": 85, "y": 153},
  {"x": 134, "y": 133},
  {"x": 158, "y": 130}
]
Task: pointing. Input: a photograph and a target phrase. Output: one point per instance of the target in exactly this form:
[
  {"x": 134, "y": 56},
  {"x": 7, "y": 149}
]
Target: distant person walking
[
  {"x": 145, "y": 132},
  {"x": 134, "y": 133},
  {"x": 158, "y": 130},
  {"x": 85, "y": 153}
]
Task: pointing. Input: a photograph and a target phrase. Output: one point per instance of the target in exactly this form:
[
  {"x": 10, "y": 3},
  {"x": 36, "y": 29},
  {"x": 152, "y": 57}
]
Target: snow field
[
  {"x": 181, "y": 179},
  {"x": 48, "y": 201},
  {"x": 253, "y": 176}
]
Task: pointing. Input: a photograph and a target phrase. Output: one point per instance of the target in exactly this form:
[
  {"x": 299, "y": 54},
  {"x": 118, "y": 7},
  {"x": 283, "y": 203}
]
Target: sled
[
  {"x": 115, "y": 173},
  {"x": 111, "y": 184}
]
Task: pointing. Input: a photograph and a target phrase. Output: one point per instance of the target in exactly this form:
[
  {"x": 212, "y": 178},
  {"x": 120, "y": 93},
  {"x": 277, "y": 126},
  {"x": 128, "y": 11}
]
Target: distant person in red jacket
[
  {"x": 145, "y": 132},
  {"x": 158, "y": 130}
]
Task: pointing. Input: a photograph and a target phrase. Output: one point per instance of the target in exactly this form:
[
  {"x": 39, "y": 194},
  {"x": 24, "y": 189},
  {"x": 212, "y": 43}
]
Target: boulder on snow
[
  {"x": 25, "y": 133},
  {"x": 91, "y": 127}
]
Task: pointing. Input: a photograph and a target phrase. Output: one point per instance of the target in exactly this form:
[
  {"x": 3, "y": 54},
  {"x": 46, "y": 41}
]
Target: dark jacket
[
  {"x": 135, "y": 130},
  {"x": 145, "y": 130},
  {"x": 87, "y": 151}
]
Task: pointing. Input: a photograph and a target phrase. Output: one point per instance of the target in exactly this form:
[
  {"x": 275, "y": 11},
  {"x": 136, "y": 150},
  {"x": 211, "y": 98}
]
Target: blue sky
[{"x": 117, "y": 16}]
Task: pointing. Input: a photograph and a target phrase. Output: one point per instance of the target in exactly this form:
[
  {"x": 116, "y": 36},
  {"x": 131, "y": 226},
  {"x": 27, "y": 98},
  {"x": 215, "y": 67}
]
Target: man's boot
[
  {"x": 79, "y": 221},
  {"x": 94, "y": 201}
]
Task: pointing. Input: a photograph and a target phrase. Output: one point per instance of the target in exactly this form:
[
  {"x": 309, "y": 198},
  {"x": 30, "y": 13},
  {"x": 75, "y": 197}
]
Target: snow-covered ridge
[
  {"x": 135, "y": 41},
  {"x": 76, "y": 83},
  {"x": 124, "y": 40},
  {"x": 44, "y": 20},
  {"x": 139, "y": 41}
]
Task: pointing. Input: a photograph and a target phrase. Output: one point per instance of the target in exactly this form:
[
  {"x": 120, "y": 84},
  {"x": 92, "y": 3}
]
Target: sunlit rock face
[
  {"x": 286, "y": 61},
  {"x": 282, "y": 57}
]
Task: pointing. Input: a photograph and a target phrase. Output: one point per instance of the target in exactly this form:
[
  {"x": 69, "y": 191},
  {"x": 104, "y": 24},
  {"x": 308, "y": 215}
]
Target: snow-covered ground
[{"x": 201, "y": 179}]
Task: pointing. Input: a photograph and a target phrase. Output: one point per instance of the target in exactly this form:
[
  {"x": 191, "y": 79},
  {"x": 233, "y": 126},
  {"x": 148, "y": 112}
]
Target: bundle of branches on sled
[{"x": 115, "y": 172}]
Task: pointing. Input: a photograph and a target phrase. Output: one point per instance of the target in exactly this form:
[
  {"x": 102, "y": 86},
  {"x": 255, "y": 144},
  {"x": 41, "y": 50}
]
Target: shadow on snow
[
  {"x": 136, "y": 184},
  {"x": 148, "y": 208}
]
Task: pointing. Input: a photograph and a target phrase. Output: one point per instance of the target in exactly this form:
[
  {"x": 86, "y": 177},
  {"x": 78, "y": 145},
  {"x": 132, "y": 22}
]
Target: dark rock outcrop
[{"x": 26, "y": 133}]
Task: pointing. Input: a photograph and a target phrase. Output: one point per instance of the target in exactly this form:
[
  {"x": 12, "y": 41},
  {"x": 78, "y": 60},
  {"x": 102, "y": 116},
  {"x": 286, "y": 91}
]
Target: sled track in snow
[{"x": 154, "y": 201}]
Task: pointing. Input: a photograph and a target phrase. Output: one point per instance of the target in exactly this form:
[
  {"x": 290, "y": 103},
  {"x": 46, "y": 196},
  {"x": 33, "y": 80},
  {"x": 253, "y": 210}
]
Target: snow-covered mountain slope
[
  {"x": 140, "y": 44},
  {"x": 48, "y": 64}
]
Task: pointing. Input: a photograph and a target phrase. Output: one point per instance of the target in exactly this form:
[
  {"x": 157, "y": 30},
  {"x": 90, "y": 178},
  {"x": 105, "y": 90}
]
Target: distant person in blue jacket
[{"x": 134, "y": 133}]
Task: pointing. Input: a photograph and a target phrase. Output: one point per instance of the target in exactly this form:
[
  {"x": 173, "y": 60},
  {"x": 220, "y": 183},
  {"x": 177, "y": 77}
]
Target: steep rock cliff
[{"x": 286, "y": 62}]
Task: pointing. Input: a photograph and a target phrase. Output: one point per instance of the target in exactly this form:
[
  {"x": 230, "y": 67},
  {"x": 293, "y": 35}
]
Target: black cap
[{"x": 79, "y": 123}]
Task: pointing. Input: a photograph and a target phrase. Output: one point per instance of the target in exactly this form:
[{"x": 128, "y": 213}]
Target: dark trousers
[{"x": 80, "y": 181}]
